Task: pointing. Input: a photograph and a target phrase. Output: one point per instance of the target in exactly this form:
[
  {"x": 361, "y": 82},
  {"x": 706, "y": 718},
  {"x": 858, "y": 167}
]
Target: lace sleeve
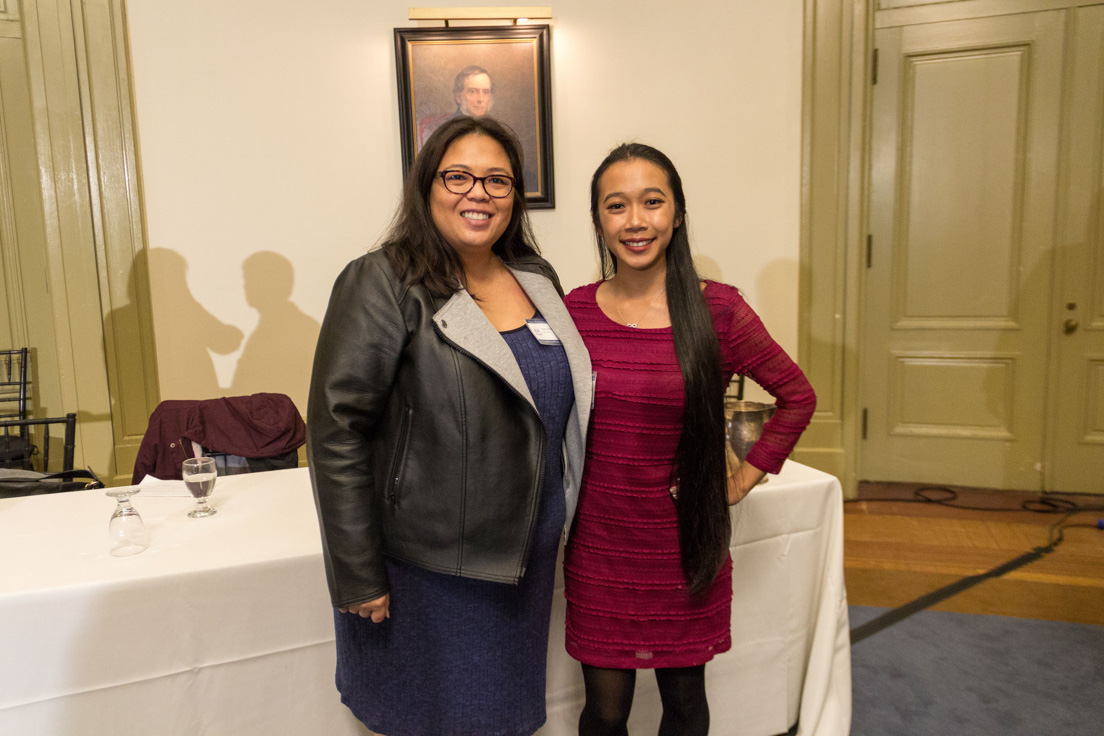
[{"x": 748, "y": 349}]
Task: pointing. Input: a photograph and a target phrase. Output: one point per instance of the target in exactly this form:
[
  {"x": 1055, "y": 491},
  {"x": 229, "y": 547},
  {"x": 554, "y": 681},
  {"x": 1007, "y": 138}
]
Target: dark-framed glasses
[{"x": 461, "y": 182}]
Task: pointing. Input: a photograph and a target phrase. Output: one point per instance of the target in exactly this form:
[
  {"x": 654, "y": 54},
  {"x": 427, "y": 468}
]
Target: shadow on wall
[
  {"x": 277, "y": 355},
  {"x": 186, "y": 332}
]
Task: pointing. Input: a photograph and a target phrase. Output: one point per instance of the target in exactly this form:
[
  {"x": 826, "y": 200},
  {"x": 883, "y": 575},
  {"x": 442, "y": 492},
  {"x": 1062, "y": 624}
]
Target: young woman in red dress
[{"x": 647, "y": 572}]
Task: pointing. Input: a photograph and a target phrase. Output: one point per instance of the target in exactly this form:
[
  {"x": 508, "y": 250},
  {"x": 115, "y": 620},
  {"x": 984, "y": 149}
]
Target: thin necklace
[{"x": 639, "y": 319}]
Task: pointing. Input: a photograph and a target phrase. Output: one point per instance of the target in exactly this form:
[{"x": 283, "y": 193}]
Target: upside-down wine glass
[
  {"x": 128, "y": 533},
  {"x": 199, "y": 476}
]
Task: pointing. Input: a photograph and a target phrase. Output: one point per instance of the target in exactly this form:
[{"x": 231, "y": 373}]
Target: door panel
[
  {"x": 1076, "y": 462},
  {"x": 957, "y": 295},
  {"x": 962, "y": 160},
  {"x": 957, "y": 381}
]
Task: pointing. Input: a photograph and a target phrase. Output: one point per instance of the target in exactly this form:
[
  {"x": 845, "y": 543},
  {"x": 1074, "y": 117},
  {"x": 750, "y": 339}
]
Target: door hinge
[
  {"x": 864, "y": 417},
  {"x": 869, "y": 250},
  {"x": 874, "y": 67}
]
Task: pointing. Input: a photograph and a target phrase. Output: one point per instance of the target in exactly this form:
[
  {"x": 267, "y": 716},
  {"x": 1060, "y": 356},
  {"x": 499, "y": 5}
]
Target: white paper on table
[{"x": 155, "y": 487}]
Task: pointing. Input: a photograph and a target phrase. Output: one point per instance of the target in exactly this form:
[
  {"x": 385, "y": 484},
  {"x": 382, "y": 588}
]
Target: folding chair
[
  {"x": 25, "y": 482},
  {"x": 16, "y": 448}
]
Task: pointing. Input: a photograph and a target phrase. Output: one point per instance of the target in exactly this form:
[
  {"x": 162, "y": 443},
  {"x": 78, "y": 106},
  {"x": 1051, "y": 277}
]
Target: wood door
[
  {"x": 73, "y": 274},
  {"x": 1076, "y": 416},
  {"x": 957, "y": 296},
  {"x": 27, "y": 312}
]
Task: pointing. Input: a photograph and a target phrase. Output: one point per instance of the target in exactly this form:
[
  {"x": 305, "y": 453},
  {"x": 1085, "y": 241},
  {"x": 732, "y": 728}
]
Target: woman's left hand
[
  {"x": 377, "y": 609},
  {"x": 745, "y": 477}
]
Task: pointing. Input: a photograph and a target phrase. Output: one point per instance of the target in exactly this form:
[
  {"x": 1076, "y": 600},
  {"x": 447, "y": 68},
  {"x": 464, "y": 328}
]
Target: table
[{"x": 223, "y": 625}]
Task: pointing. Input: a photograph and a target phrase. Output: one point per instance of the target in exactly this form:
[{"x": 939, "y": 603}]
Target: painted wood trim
[
  {"x": 78, "y": 72},
  {"x": 834, "y": 109},
  {"x": 911, "y": 12},
  {"x": 1071, "y": 436},
  {"x": 55, "y": 98},
  {"x": 9, "y": 252},
  {"x": 889, "y": 4},
  {"x": 819, "y": 337},
  {"x": 117, "y": 220}
]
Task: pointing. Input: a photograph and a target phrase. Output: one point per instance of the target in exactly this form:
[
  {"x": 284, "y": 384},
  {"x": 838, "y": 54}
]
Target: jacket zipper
[
  {"x": 397, "y": 462},
  {"x": 543, "y": 438}
]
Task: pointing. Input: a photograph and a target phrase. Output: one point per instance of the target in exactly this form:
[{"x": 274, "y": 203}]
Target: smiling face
[
  {"x": 476, "y": 97},
  {"x": 636, "y": 214},
  {"x": 472, "y": 222}
]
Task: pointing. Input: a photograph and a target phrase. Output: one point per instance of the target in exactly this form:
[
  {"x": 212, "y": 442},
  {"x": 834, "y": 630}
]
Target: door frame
[
  {"x": 79, "y": 78},
  {"x": 838, "y": 67},
  {"x": 838, "y": 38}
]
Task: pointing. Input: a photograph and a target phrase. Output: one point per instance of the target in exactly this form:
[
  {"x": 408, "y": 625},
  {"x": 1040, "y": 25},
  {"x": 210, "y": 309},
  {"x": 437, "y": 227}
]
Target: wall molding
[
  {"x": 834, "y": 109},
  {"x": 119, "y": 236},
  {"x": 78, "y": 73},
  {"x": 909, "y": 12},
  {"x": 9, "y": 252}
]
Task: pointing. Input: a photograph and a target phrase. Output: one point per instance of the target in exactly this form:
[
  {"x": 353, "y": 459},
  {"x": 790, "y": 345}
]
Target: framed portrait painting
[{"x": 499, "y": 71}]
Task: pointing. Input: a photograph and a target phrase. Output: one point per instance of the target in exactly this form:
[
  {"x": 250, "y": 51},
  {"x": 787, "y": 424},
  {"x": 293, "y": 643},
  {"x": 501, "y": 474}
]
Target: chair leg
[{"x": 70, "y": 441}]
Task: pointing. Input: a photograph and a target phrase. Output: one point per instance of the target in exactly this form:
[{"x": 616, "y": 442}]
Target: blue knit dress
[{"x": 463, "y": 657}]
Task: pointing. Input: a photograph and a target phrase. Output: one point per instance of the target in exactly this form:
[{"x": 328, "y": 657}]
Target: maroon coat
[{"x": 260, "y": 425}]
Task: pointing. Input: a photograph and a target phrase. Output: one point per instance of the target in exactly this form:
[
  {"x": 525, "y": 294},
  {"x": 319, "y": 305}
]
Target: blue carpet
[{"x": 946, "y": 674}]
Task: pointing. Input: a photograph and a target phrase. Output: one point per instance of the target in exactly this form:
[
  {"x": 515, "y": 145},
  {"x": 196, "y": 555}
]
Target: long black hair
[
  {"x": 415, "y": 247},
  {"x": 702, "y": 503}
]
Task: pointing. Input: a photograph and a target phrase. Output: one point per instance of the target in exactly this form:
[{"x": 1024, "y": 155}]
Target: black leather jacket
[{"x": 422, "y": 442}]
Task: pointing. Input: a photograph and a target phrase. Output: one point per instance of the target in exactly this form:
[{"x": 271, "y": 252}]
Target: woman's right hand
[{"x": 377, "y": 610}]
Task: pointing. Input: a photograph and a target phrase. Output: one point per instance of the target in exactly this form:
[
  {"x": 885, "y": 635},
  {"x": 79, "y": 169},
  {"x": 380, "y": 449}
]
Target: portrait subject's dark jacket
[{"x": 423, "y": 441}]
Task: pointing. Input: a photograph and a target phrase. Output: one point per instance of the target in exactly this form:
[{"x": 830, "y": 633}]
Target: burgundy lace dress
[{"x": 628, "y": 605}]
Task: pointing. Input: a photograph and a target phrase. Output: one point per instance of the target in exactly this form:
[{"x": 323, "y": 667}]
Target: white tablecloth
[{"x": 223, "y": 625}]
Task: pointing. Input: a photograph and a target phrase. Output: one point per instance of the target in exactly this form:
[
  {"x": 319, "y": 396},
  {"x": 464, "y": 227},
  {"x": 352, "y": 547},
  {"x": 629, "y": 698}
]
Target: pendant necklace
[{"x": 639, "y": 319}]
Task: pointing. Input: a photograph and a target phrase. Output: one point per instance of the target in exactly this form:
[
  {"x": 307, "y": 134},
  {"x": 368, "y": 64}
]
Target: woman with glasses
[
  {"x": 647, "y": 574},
  {"x": 445, "y": 435}
]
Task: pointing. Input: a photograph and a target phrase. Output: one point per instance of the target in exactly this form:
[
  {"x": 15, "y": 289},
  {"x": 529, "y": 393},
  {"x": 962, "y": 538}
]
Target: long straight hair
[
  {"x": 415, "y": 247},
  {"x": 702, "y": 503}
]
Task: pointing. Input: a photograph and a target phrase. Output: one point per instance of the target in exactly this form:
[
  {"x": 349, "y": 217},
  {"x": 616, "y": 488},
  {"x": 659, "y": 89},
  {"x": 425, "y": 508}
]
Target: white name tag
[{"x": 542, "y": 331}]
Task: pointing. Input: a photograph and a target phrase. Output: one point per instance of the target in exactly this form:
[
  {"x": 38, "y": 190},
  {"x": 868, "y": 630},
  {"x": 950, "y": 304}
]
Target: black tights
[{"x": 609, "y": 696}]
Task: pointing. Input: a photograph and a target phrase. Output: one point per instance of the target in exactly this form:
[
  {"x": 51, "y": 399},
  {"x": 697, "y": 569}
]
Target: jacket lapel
[
  {"x": 463, "y": 323},
  {"x": 551, "y": 306}
]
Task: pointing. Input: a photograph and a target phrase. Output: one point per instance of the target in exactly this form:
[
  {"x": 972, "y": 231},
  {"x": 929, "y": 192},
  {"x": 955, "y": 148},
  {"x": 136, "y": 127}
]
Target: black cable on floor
[
  {"x": 927, "y": 494},
  {"x": 1055, "y": 536},
  {"x": 900, "y": 613}
]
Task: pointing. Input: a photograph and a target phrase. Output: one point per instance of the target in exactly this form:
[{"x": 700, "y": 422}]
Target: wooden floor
[{"x": 897, "y": 551}]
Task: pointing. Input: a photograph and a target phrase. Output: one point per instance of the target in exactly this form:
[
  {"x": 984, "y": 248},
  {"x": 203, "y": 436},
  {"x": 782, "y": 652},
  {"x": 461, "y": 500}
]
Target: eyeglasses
[{"x": 461, "y": 182}]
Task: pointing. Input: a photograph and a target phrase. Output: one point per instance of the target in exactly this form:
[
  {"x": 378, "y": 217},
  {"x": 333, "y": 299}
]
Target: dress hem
[{"x": 688, "y": 659}]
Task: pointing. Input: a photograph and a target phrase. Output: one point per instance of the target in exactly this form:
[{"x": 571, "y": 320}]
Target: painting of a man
[
  {"x": 473, "y": 90},
  {"x": 497, "y": 71}
]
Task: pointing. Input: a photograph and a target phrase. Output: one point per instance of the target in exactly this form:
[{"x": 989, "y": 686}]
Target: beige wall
[{"x": 269, "y": 132}]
